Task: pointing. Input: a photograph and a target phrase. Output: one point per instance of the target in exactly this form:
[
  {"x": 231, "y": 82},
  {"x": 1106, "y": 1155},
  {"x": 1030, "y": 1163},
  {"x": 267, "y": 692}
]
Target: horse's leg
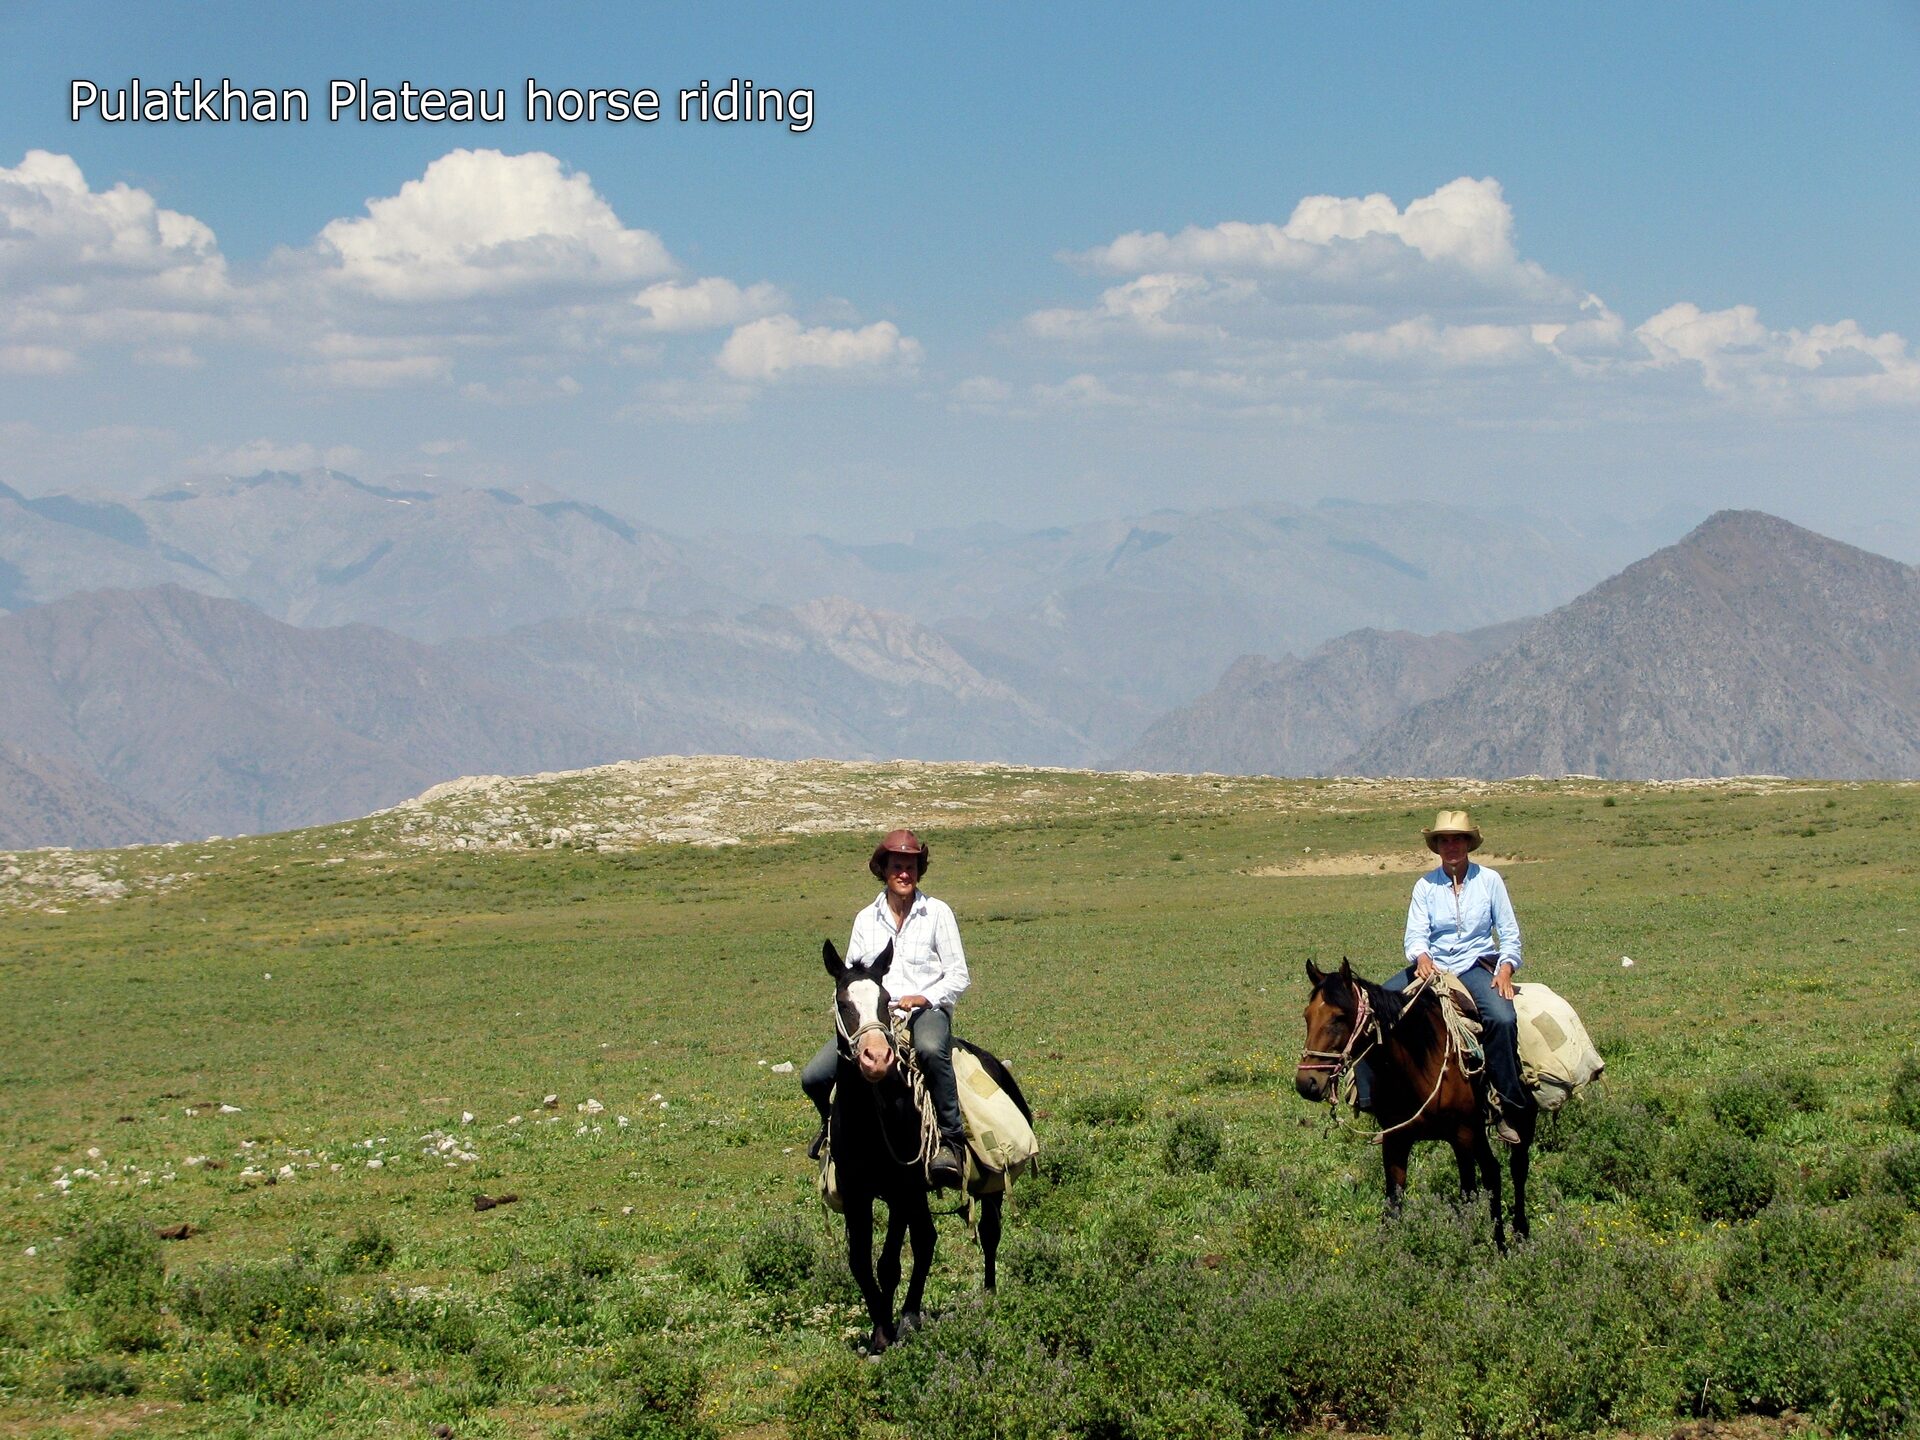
[
  {"x": 890, "y": 1251},
  {"x": 1465, "y": 1160},
  {"x": 990, "y": 1208},
  {"x": 1394, "y": 1151},
  {"x": 859, "y": 1215},
  {"x": 1518, "y": 1164},
  {"x": 920, "y": 1221},
  {"x": 1490, "y": 1172}
]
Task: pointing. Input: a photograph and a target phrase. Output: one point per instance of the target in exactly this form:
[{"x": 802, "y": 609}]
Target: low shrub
[
  {"x": 1903, "y": 1094},
  {"x": 1788, "y": 1281},
  {"x": 368, "y": 1249},
  {"x": 1606, "y": 1149},
  {"x": 656, "y": 1398},
  {"x": 1900, "y": 1168},
  {"x": 828, "y": 1402},
  {"x": 274, "y": 1370},
  {"x": 552, "y": 1295},
  {"x": 1192, "y": 1144},
  {"x": 96, "y": 1375},
  {"x": 1755, "y": 1101},
  {"x": 1108, "y": 1107},
  {"x": 1128, "y": 1240},
  {"x": 288, "y": 1296},
  {"x": 1876, "y": 1369},
  {"x": 116, "y": 1263},
  {"x": 1731, "y": 1179},
  {"x": 779, "y": 1255}
]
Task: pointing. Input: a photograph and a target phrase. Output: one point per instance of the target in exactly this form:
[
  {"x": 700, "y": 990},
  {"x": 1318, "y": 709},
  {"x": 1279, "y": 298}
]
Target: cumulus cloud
[
  {"x": 250, "y": 457},
  {"x": 483, "y": 223},
  {"x": 37, "y": 360},
  {"x": 1358, "y": 304},
  {"x": 710, "y": 304},
  {"x": 82, "y": 266},
  {"x": 779, "y": 346},
  {"x": 1837, "y": 366}
]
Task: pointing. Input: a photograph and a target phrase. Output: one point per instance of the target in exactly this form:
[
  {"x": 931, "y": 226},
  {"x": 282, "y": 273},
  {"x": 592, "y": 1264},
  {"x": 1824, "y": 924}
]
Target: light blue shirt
[
  {"x": 927, "y": 957},
  {"x": 1457, "y": 929}
]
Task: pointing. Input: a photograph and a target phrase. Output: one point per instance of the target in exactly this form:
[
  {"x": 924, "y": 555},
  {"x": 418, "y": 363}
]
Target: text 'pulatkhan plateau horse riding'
[
  {"x": 878, "y": 1141},
  {"x": 1423, "y": 1086}
]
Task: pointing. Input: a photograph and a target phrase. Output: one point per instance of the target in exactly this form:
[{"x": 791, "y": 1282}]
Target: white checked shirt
[{"x": 927, "y": 958}]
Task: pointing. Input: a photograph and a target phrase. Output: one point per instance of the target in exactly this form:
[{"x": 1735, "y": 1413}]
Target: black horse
[
  {"x": 876, "y": 1141},
  {"x": 1421, "y": 1088}
]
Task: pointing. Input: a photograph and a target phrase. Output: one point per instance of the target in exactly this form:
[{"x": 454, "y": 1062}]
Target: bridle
[
  {"x": 1338, "y": 1064},
  {"x": 906, "y": 1065}
]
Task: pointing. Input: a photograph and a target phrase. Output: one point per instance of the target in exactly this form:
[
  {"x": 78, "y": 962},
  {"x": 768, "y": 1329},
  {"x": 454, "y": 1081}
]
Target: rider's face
[
  {"x": 1454, "y": 850},
  {"x": 903, "y": 874}
]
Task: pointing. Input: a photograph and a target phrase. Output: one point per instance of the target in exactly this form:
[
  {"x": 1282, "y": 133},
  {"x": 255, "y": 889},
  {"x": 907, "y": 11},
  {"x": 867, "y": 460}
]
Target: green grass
[{"x": 1145, "y": 986}]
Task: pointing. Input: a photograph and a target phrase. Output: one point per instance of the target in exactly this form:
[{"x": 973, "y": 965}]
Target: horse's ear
[
  {"x": 1346, "y": 970},
  {"x": 1314, "y": 975},
  {"x": 881, "y": 961},
  {"x": 831, "y": 958}
]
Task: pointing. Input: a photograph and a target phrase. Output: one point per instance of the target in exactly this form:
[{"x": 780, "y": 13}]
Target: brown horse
[{"x": 1423, "y": 1087}]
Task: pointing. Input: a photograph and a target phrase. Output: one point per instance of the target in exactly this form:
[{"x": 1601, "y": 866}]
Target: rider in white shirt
[{"x": 928, "y": 973}]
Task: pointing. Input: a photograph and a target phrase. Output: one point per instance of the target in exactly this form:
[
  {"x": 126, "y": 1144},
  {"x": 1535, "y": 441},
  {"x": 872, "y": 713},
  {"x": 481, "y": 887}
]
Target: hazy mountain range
[{"x": 235, "y": 681}]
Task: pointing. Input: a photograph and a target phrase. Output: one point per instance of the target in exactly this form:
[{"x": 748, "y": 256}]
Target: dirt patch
[{"x": 1406, "y": 862}]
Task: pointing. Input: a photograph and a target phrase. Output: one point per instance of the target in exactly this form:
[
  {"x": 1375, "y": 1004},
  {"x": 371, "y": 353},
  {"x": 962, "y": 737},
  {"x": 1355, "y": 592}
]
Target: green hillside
[{"x": 1137, "y": 945}]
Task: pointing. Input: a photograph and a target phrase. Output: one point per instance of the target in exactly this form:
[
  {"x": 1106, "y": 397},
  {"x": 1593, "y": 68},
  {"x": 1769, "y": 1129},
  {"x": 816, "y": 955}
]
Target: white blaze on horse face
[{"x": 872, "y": 1050}]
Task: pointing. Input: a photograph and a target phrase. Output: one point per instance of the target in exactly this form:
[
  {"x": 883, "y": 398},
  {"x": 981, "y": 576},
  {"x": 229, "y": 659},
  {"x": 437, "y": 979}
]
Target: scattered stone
[
  {"x": 185, "y": 1230},
  {"x": 493, "y": 1202},
  {"x": 229, "y": 1109},
  {"x": 551, "y": 1102},
  {"x": 785, "y": 1067}
]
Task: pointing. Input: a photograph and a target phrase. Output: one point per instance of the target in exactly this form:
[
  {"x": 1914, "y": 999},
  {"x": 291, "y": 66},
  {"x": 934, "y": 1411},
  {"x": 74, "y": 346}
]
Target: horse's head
[
  {"x": 860, "y": 1010},
  {"x": 1337, "y": 1014}
]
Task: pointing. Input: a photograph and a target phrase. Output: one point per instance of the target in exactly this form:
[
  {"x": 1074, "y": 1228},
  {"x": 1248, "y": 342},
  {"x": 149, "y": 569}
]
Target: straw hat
[
  {"x": 1452, "y": 822},
  {"x": 897, "y": 842}
]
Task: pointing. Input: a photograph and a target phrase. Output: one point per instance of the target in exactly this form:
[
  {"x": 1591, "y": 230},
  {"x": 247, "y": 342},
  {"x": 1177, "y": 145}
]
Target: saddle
[{"x": 1456, "y": 1004}]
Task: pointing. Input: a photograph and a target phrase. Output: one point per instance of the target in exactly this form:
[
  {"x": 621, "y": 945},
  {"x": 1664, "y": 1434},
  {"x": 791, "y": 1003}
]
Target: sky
[{"x": 1019, "y": 264}]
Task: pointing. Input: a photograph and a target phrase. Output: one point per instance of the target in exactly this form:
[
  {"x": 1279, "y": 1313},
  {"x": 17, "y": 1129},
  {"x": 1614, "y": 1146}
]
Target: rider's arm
[
  {"x": 1419, "y": 930},
  {"x": 954, "y": 978},
  {"x": 1505, "y": 921},
  {"x": 866, "y": 941}
]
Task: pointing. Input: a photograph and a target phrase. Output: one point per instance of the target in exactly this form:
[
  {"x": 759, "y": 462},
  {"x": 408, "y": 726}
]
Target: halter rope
[
  {"x": 1342, "y": 1061},
  {"x": 900, "y": 1037}
]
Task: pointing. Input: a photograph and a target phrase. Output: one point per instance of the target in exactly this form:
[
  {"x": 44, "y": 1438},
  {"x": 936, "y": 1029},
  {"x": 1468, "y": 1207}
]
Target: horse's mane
[{"x": 1392, "y": 1006}]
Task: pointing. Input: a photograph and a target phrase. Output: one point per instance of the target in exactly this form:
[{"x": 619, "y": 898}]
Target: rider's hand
[
  {"x": 1503, "y": 981},
  {"x": 910, "y": 1002},
  {"x": 1423, "y": 967}
]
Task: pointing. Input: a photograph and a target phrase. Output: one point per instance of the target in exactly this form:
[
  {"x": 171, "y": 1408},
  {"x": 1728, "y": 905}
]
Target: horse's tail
[{"x": 1002, "y": 1076}]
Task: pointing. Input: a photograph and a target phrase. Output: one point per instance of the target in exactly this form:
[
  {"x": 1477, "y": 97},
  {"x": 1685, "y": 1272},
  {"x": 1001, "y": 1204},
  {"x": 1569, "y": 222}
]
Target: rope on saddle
[
  {"x": 1462, "y": 1049},
  {"x": 901, "y": 1033}
]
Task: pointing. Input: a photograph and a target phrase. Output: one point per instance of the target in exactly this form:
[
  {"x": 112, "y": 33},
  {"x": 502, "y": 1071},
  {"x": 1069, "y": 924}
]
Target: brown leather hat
[{"x": 897, "y": 842}]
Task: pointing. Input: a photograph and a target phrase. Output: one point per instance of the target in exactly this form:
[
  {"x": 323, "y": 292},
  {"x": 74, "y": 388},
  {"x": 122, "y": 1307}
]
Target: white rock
[
  {"x": 785, "y": 1067},
  {"x": 466, "y": 1117},
  {"x": 35, "y": 1249},
  {"x": 375, "y": 1164},
  {"x": 229, "y": 1109},
  {"x": 623, "y": 1121},
  {"x": 286, "y": 1172},
  {"x": 93, "y": 1152},
  {"x": 624, "y": 1210},
  {"x": 550, "y": 1101},
  {"x": 1626, "y": 962},
  {"x": 593, "y": 1107}
]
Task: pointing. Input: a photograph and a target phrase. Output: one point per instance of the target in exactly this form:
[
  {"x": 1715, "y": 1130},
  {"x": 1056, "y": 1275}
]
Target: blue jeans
[
  {"x": 1499, "y": 1037},
  {"x": 932, "y": 1032}
]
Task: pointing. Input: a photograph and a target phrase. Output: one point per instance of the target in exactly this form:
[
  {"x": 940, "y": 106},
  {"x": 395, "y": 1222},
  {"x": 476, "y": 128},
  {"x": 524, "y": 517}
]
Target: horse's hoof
[
  {"x": 910, "y": 1322},
  {"x": 877, "y": 1343}
]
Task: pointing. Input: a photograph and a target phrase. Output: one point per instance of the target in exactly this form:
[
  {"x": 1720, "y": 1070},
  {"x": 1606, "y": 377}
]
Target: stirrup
[{"x": 947, "y": 1167}]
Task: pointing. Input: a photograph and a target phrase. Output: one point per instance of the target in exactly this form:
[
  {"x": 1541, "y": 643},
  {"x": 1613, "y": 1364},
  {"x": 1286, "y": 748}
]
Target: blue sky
[{"x": 1626, "y": 256}]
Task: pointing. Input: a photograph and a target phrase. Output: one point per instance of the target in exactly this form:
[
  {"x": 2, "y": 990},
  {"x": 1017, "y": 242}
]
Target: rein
[
  {"x": 900, "y": 1037},
  {"x": 1341, "y": 1062}
]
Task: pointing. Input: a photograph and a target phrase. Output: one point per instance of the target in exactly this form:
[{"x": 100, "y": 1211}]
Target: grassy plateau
[{"x": 314, "y": 1051}]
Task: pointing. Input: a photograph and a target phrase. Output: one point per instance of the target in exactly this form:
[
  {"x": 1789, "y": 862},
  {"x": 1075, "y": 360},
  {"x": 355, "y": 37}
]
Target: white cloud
[
  {"x": 250, "y": 457},
  {"x": 482, "y": 223},
  {"x": 779, "y": 346},
  {"x": 81, "y": 267},
  {"x": 709, "y": 304},
  {"x": 688, "y": 402},
  {"x": 1356, "y": 305},
  {"x": 1828, "y": 367},
  {"x": 37, "y": 360},
  {"x": 367, "y": 372}
]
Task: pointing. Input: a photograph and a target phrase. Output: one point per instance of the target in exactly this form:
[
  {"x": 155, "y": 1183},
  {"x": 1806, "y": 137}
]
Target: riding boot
[
  {"x": 948, "y": 1166},
  {"x": 819, "y": 1142},
  {"x": 1502, "y": 1126}
]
